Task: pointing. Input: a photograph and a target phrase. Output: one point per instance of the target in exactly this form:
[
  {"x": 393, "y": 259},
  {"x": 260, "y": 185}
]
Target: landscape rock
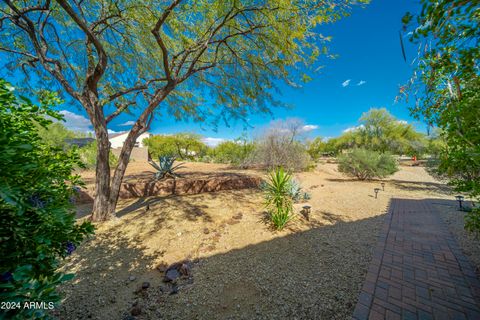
[
  {"x": 132, "y": 278},
  {"x": 171, "y": 275},
  {"x": 145, "y": 285}
]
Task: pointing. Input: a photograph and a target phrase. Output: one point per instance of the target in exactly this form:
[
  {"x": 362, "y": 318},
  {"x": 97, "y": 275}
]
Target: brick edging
[{"x": 365, "y": 298}]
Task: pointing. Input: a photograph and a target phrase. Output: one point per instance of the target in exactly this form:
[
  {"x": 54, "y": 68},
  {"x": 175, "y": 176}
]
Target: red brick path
[{"x": 417, "y": 270}]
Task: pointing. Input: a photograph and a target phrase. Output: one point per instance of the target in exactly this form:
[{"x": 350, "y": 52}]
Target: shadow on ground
[{"x": 313, "y": 274}]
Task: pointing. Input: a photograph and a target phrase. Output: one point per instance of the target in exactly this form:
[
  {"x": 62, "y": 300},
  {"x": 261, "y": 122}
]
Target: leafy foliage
[
  {"x": 367, "y": 164},
  {"x": 446, "y": 84},
  {"x": 55, "y": 135},
  {"x": 88, "y": 156},
  {"x": 278, "y": 199},
  {"x": 472, "y": 221},
  {"x": 37, "y": 219},
  {"x": 236, "y": 152},
  {"x": 165, "y": 167},
  {"x": 183, "y": 146}
]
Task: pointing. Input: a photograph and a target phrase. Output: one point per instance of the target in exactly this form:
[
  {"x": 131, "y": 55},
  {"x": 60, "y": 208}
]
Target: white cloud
[
  {"x": 309, "y": 127},
  {"x": 76, "y": 122},
  {"x": 402, "y": 121},
  {"x": 361, "y": 83},
  {"x": 111, "y": 131},
  {"x": 128, "y": 123},
  {"x": 212, "y": 142},
  {"x": 354, "y": 128},
  {"x": 346, "y": 83}
]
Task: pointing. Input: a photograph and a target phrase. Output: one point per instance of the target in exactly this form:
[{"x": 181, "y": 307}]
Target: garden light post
[
  {"x": 306, "y": 212},
  {"x": 383, "y": 186},
  {"x": 376, "y": 192},
  {"x": 460, "y": 200}
]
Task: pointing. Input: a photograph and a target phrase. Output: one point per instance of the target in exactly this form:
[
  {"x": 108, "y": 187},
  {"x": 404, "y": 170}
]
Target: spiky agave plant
[
  {"x": 165, "y": 167},
  {"x": 278, "y": 200}
]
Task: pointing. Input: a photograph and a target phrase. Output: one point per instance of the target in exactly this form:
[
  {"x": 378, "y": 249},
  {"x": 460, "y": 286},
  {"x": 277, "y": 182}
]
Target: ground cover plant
[
  {"x": 365, "y": 164},
  {"x": 37, "y": 218}
]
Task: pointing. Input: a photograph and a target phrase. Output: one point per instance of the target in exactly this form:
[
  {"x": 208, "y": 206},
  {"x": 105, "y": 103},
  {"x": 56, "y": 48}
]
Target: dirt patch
[{"x": 241, "y": 268}]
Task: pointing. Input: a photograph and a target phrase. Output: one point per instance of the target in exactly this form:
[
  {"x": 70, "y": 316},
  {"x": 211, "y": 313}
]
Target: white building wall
[{"x": 117, "y": 142}]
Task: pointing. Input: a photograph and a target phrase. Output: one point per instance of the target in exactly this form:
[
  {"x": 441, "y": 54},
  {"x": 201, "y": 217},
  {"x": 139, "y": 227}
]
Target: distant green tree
[
  {"x": 233, "y": 152},
  {"x": 184, "y": 146},
  {"x": 446, "y": 87},
  {"x": 37, "y": 217},
  {"x": 56, "y": 134}
]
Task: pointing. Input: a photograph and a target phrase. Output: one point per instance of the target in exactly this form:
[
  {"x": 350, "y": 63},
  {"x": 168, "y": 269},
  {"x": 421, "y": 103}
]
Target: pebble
[
  {"x": 132, "y": 278},
  {"x": 145, "y": 285}
]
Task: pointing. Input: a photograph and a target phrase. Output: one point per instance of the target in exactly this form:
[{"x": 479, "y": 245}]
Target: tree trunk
[
  {"x": 123, "y": 160},
  {"x": 102, "y": 177}
]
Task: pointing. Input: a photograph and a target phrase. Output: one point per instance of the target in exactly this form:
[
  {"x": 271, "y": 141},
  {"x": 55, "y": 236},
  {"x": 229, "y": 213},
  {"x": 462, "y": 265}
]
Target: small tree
[
  {"x": 37, "y": 218},
  {"x": 366, "y": 164}
]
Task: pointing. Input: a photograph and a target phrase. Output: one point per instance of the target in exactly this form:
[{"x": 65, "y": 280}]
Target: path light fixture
[
  {"x": 376, "y": 192},
  {"x": 383, "y": 186},
  {"x": 306, "y": 212},
  {"x": 460, "y": 200}
]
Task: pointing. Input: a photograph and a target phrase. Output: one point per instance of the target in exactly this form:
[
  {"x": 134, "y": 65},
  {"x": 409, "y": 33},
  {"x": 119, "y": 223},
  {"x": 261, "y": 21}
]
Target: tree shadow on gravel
[{"x": 313, "y": 274}]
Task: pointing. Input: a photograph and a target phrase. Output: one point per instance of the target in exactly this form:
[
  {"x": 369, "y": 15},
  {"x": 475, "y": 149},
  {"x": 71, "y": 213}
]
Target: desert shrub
[
  {"x": 88, "y": 156},
  {"x": 233, "y": 152},
  {"x": 366, "y": 164},
  {"x": 37, "y": 218},
  {"x": 472, "y": 221},
  {"x": 278, "y": 200}
]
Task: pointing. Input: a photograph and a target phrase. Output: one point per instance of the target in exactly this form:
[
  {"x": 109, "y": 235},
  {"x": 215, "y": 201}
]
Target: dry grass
[{"x": 243, "y": 270}]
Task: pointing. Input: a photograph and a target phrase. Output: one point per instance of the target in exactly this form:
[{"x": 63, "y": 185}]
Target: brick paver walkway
[{"x": 417, "y": 270}]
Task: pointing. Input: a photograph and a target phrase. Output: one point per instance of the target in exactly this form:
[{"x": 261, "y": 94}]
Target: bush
[
  {"x": 366, "y": 164},
  {"x": 278, "y": 200},
  {"x": 37, "y": 218},
  {"x": 233, "y": 152}
]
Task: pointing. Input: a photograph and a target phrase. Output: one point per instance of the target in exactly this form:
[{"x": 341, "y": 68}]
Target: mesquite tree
[{"x": 200, "y": 59}]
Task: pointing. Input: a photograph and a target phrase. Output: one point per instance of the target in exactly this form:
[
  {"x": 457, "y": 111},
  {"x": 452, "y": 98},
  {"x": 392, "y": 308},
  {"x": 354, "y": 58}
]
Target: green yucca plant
[
  {"x": 278, "y": 199},
  {"x": 165, "y": 167}
]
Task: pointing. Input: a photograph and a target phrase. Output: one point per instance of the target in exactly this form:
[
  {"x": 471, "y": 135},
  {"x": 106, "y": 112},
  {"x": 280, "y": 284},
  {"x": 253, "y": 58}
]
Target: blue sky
[
  {"x": 367, "y": 73},
  {"x": 368, "y": 48}
]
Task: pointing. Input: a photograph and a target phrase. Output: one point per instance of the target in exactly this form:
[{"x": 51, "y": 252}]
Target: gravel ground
[{"x": 240, "y": 267}]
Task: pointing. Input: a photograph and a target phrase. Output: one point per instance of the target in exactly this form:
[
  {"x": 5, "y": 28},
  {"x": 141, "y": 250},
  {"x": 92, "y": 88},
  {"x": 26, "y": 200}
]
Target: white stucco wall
[{"x": 117, "y": 142}]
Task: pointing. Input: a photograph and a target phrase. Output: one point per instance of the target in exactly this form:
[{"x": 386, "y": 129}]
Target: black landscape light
[
  {"x": 383, "y": 186},
  {"x": 376, "y": 192},
  {"x": 460, "y": 200},
  {"x": 306, "y": 212}
]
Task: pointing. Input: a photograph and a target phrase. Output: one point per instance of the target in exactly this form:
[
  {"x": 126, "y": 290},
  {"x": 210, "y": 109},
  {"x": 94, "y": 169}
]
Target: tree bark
[{"x": 102, "y": 176}]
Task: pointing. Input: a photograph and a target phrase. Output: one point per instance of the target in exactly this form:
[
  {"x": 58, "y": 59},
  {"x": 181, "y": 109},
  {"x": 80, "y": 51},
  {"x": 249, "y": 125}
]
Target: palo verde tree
[{"x": 163, "y": 57}]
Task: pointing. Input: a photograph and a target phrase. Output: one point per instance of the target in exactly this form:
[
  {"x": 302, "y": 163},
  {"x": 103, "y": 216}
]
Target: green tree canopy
[
  {"x": 196, "y": 59},
  {"x": 181, "y": 145}
]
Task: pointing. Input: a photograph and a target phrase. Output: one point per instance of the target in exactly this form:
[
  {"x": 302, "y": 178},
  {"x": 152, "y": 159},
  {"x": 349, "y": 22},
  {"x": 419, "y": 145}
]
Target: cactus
[{"x": 165, "y": 167}]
